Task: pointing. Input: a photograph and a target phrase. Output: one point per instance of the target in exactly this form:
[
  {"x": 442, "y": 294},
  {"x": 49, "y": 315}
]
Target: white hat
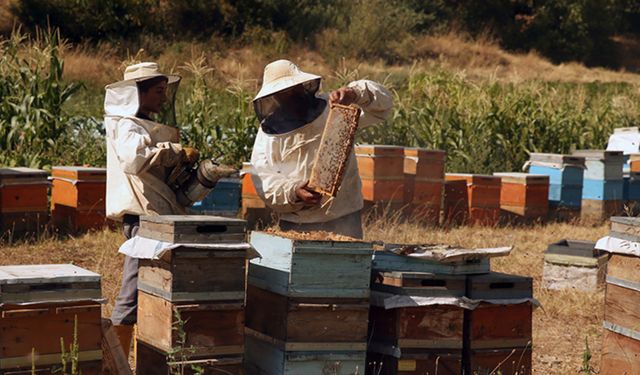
[
  {"x": 281, "y": 75},
  {"x": 142, "y": 71}
]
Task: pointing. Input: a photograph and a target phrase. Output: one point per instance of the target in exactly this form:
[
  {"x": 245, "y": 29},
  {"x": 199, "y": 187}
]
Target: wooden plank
[
  {"x": 626, "y": 267},
  {"x": 419, "y": 284},
  {"x": 79, "y": 173},
  {"x": 380, "y": 162},
  {"x": 500, "y": 326},
  {"x": 622, "y": 306},
  {"x": 115, "y": 361},
  {"x": 599, "y": 210},
  {"x": 626, "y": 225},
  {"x": 335, "y": 149},
  {"x": 24, "y": 198},
  {"x": 306, "y": 319},
  {"x": 209, "y": 330},
  {"x": 579, "y": 261},
  {"x": 620, "y": 354},
  {"x": 388, "y": 261},
  {"x": 497, "y": 285},
  {"x": 192, "y": 228}
]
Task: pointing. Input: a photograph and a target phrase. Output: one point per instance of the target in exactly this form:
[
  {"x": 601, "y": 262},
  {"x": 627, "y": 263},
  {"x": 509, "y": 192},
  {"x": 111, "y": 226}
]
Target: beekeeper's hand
[
  {"x": 344, "y": 96},
  {"x": 307, "y": 195}
]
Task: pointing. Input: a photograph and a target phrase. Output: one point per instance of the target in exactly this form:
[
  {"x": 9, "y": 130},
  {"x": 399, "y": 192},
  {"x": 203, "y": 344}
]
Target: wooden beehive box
[
  {"x": 566, "y": 175},
  {"x": 335, "y": 149},
  {"x": 523, "y": 194},
  {"x": 419, "y": 284},
  {"x": 310, "y": 268},
  {"x": 39, "y": 305},
  {"x": 571, "y": 264},
  {"x": 254, "y": 210},
  {"x": 495, "y": 330},
  {"x": 212, "y": 328},
  {"x": 415, "y": 362},
  {"x": 208, "y": 273},
  {"x": 318, "y": 320},
  {"x": 150, "y": 361},
  {"x": 634, "y": 162},
  {"x": 483, "y": 197},
  {"x": 620, "y": 354},
  {"x": 78, "y": 197},
  {"x": 390, "y": 261},
  {"x": 381, "y": 171},
  {"x": 264, "y": 355},
  {"x": 24, "y": 206},
  {"x": 602, "y": 165},
  {"x": 456, "y": 205},
  {"x": 185, "y": 229}
]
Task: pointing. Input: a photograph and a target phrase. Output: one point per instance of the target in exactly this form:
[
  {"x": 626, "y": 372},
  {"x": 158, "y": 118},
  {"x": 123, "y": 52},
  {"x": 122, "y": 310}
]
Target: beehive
[
  {"x": 456, "y": 204},
  {"x": 39, "y": 305},
  {"x": 483, "y": 195},
  {"x": 24, "y": 207},
  {"x": 603, "y": 185},
  {"x": 223, "y": 200},
  {"x": 570, "y": 264},
  {"x": 335, "y": 149},
  {"x": 381, "y": 171},
  {"x": 78, "y": 198},
  {"x": 254, "y": 210},
  {"x": 184, "y": 229},
  {"x": 524, "y": 197},
  {"x": 424, "y": 183}
]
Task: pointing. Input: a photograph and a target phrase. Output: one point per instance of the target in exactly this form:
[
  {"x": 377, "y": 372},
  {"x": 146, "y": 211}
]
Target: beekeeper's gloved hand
[{"x": 191, "y": 154}]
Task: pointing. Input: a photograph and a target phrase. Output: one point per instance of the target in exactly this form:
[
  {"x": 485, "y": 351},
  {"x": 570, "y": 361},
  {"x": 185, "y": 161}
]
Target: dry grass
[
  {"x": 560, "y": 326},
  {"x": 565, "y": 319}
]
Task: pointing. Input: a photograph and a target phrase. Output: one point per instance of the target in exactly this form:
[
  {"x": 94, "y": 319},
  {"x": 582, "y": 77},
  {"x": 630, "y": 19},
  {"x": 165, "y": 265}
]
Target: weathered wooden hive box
[
  {"x": 318, "y": 297},
  {"x": 631, "y": 192},
  {"x": 336, "y": 147},
  {"x": 195, "y": 289},
  {"x": 570, "y": 264},
  {"x": 500, "y": 324},
  {"x": 456, "y": 204},
  {"x": 154, "y": 362},
  {"x": 524, "y": 196},
  {"x": 40, "y": 305},
  {"x": 483, "y": 196},
  {"x": 389, "y": 261},
  {"x": 254, "y": 210},
  {"x": 78, "y": 197},
  {"x": 621, "y": 344},
  {"x": 566, "y": 175},
  {"x": 24, "y": 207},
  {"x": 310, "y": 268},
  {"x": 415, "y": 339},
  {"x": 381, "y": 171},
  {"x": 424, "y": 183},
  {"x": 603, "y": 186}
]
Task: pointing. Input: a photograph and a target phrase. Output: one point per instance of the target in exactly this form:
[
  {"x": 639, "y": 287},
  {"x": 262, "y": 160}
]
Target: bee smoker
[{"x": 194, "y": 184}]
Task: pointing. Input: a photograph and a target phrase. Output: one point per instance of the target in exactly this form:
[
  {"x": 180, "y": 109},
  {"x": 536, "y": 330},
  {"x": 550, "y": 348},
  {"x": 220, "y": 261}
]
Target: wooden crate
[
  {"x": 456, "y": 203},
  {"x": 602, "y": 165},
  {"x": 195, "y": 274},
  {"x": 23, "y": 190},
  {"x": 597, "y": 211},
  {"x": 212, "y": 328},
  {"x": 483, "y": 197},
  {"x": 634, "y": 162},
  {"x": 267, "y": 356},
  {"x": 388, "y": 261},
  {"x": 620, "y": 354},
  {"x": 192, "y": 228},
  {"x": 419, "y": 284},
  {"x": 381, "y": 171},
  {"x": 524, "y": 195},
  {"x": 78, "y": 187},
  {"x": 566, "y": 175},
  {"x": 424, "y": 176},
  {"x": 335, "y": 149},
  {"x": 306, "y": 319},
  {"x": 150, "y": 361},
  {"x": 32, "y": 315},
  {"x": 570, "y": 264},
  {"x": 306, "y": 268},
  {"x": 415, "y": 362}
]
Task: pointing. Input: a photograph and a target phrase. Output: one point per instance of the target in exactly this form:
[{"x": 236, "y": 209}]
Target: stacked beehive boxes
[
  {"x": 603, "y": 185},
  {"x": 191, "y": 299},
  {"x": 307, "y": 306},
  {"x": 78, "y": 198},
  {"x": 570, "y": 264},
  {"x": 448, "y": 316},
  {"x": 424, "y": 183},
  {"x": 254, "y": 210},
  {"x": 456, "y": 203},
  {"x": 24, "y": 207},
  {"x": 483, "y": 196},
  {"x": 621, "y": 345},
  {"x": 566, "y": 175},
  {"x": 381, "y": 170},
  {"x": 524, "y": 197},
  {"x": 42, "y": 305}
]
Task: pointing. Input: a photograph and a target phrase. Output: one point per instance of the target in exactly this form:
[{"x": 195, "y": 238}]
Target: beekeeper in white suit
[
  {"x": 140, "y": 154},
  {"x": 292, "y": 115}
]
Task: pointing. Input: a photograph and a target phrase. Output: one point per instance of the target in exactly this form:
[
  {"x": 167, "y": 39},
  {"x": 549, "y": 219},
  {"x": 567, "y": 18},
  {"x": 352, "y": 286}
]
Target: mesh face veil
[{"x": 273, "y": 104}]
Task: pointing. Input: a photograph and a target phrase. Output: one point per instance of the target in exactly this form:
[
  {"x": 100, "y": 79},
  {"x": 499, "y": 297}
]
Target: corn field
[{"x": 483, "y": 126}]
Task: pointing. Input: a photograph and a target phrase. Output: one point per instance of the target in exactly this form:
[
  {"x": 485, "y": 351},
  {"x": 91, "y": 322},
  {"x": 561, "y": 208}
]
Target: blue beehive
[
  {"x": 566, "y": 174},
  {"x": 223, "y": 200},
  {"x": 603, "y": 179},
  {"x": 631, "y": 190}
]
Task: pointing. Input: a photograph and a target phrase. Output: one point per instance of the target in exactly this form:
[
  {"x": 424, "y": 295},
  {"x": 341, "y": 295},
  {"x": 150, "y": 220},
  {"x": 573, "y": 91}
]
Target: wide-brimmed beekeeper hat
[
  {"x": 143, "y": 71},
  {"x": 281, "y": 75}
]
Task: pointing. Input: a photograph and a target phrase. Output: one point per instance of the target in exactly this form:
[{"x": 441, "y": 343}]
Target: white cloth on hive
[{"x": 147, "y": 248}]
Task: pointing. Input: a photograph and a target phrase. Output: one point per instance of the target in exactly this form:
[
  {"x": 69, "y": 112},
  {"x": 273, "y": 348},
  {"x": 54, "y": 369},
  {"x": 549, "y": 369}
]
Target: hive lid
[
  {"x": 573, "y": 248},
  {"x": 192, "y": 228},
  {"x": 613, "y": 156},
  {"x": 483, "y": 179},
  {"x": 20, "y": 175},
  {"x": 496, "y": 286},
  {"x": 379, "y": 150},
  {"x": 559, "y": 159},
  {"x": 45, "y": 274},
  {"x": 423, "y": 153},
  {"x": 79, "y": 173},
  {"x": 519, "y": 177}
]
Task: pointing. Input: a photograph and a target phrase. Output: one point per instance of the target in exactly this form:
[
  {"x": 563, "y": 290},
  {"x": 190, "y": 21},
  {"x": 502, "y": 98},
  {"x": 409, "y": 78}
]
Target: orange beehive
[
  {"x": 456, "y": 205},
  {"x": 254, "y": 210},
  {"x": 382, "y": 173},
  {"x": 524, "y": 195},
  {"x": 424, "y": 182},
  {"x": 78, "y": 198},
  {"x": 634, "y": 162},
  {"x": 23, "y": 200},
  {"x": 483, "y": 197}
]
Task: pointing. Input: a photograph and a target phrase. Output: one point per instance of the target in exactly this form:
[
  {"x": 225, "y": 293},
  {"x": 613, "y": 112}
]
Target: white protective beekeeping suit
[
  {"x": 140, "y": 153},
  {"x": 282, "y": 162}
]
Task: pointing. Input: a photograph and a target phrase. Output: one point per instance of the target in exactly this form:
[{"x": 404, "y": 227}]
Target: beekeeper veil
[{"x": 122, "y": 99}]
